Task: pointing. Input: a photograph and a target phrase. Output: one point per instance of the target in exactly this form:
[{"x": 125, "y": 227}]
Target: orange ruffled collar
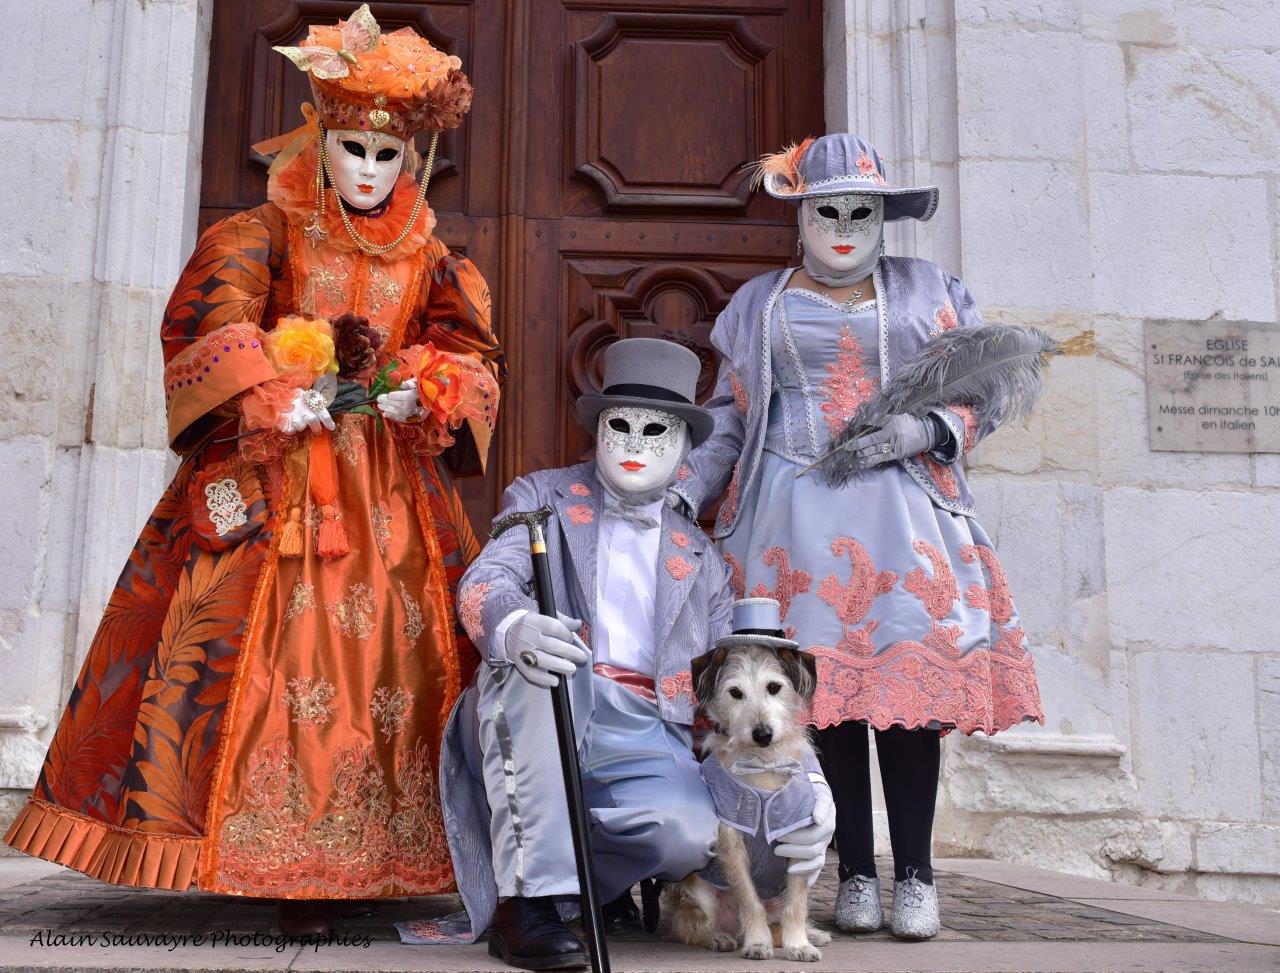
[{"x": 292, "y": 188}]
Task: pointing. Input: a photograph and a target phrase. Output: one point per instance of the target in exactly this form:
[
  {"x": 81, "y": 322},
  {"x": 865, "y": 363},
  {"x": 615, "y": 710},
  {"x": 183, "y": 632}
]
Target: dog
[{"x": 753, "y": 694}]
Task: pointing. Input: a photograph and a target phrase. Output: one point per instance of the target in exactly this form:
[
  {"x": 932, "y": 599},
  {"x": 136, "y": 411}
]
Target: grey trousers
[{"x": 650, "y": 811}]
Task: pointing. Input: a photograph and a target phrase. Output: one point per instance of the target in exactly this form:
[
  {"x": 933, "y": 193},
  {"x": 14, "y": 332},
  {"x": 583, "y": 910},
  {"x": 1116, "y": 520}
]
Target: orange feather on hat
[{"x": 784, "y": 165}]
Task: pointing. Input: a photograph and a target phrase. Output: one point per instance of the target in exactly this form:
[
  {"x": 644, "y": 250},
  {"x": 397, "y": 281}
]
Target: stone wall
[
  {"x": 1104, "y": 164},
  {"x": 100, "y": 131}
]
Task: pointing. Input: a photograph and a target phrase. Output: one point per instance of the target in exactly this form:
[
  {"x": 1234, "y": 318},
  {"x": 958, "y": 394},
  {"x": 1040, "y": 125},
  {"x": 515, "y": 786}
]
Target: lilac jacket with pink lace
[{"x": 918, "y": 299}]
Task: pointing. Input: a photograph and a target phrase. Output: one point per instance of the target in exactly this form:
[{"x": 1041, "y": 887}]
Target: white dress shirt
[
  {"x": 626, "y": 592},
  {"x": 624, "y": 633}
]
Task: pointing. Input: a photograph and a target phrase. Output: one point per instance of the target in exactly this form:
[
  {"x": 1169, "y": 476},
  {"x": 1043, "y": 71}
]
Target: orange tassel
[
  {"x": 332, "y": 539},
  {"x": 291, "y": 537}
]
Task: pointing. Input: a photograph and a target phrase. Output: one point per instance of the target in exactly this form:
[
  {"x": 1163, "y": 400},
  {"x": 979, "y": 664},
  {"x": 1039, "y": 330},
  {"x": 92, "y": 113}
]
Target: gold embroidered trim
[
  {"x": 381, "y": 517},
  {"x": 302, "y": 599},
  {"x": 310, "y": 700},
  {"x": 391, "y": 709},
  {"x": 348, "y": 439},
  {"x": 355, "y": 612},
  {"x": 413, "y": 626}
]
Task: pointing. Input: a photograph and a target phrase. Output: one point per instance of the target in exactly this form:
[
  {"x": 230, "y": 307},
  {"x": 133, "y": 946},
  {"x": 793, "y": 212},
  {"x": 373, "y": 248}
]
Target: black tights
[{"x": 909, "y": 771}]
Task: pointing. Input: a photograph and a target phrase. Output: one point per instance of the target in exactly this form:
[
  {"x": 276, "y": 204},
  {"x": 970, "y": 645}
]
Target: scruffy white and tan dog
[{"x": 761, "y": 771}]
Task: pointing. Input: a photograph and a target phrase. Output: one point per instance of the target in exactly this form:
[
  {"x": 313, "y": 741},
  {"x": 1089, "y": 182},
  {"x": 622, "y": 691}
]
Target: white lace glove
[
  {"x": 541, "y": 647},
  {"x": 807, "y": 847},
  {"x": 904, "y": 436},
  {"x": 309, "y": 412},
  {"x": 402, "y": 405}
]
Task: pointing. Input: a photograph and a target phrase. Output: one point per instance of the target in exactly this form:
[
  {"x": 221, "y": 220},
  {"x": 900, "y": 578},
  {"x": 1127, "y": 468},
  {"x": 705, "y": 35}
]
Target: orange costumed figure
[{"x": 260, "y": 711}]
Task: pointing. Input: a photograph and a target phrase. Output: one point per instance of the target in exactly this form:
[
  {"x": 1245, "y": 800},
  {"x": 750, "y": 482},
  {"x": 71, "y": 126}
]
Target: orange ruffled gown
[{"x": 264, "y": 725}]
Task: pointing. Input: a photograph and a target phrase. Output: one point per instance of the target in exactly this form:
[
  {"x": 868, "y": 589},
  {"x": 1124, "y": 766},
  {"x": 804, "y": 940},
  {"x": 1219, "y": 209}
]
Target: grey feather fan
[{"x": 995, "y": 369}]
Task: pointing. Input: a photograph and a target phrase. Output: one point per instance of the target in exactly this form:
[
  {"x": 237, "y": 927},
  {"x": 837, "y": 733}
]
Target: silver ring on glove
[
  {"x": 313, "y": 400},
  {"x": 529, "y": 658},
  {"x": 886, "y": 448}
]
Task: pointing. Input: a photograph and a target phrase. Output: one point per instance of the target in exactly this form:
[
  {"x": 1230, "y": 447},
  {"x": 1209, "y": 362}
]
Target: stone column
[{"x": 101, "y": 113}]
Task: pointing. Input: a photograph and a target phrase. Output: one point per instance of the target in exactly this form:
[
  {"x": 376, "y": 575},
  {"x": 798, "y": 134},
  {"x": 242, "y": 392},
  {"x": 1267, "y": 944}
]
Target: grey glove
[
  {"x": 541, "y": 648},
  {"x": 903, "y": 437},
  {"x": 806, "y": 848}
]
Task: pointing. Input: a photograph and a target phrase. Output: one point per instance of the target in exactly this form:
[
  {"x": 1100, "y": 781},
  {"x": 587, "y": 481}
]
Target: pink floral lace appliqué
[
  {"x": 679, "y": 538},
  {"x": 846, "y": 386},
  {"x": 741, "y": 400},
  {"x": 580, "y": 514},
  {"x": 789, "y": 584},
  {"x": 944, "y": 319},
  {"x": 580, "y": 490},
  {"x": 737, "y": 576},
  {"x": 938, "y": 593},
  {"x": 965, "y": 412},
  {"x": 471, "y": 607},
  {"x": 944, "y": 477},
  {"x": 678, "y": 568}
]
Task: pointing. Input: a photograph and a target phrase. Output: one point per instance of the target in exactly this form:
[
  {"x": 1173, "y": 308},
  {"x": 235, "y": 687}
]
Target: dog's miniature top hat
[
  {"x": 758, "y": 621},
  {"x": 649, "y": 373},
  {"x": 841, "y": 163}
]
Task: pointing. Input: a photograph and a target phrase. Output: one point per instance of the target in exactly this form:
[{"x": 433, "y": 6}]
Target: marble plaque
[{"x": 1213, "y": 386}]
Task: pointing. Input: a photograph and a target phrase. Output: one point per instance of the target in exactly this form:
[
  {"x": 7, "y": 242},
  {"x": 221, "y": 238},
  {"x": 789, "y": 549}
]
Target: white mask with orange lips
[
  {"x": 842, "y": 236},
  {"x": 638, "y": 451},
  {"x": 365, "y": 165}
]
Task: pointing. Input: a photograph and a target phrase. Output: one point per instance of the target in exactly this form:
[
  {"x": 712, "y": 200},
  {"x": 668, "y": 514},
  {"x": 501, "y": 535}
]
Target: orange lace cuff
[{"x": 260, "y": 409}]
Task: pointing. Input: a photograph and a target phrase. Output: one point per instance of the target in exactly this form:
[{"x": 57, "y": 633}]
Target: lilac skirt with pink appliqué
[{"x": 904, "y": 604}]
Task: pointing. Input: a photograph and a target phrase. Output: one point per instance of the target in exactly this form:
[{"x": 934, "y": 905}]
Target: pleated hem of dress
[{"x": 102, "y": 851}]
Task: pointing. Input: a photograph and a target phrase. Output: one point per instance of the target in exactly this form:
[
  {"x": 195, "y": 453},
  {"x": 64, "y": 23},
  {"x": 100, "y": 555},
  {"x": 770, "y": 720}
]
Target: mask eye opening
[
  {"x": 653, "y": 429},
  {"x": 619, "y": 424},
  {"x": 387, "y": 155},
  {"x": 860, "y": 213},
  {"x": 353, "y": 148},
  {"x": 828, "y": 212}
]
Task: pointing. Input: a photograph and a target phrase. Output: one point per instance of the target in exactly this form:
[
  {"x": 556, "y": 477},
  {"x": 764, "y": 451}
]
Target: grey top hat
[
  {"x": 757, "y": 621},
  {"x": 649, "y": 373},
  {"x": 843, "y": 163}
]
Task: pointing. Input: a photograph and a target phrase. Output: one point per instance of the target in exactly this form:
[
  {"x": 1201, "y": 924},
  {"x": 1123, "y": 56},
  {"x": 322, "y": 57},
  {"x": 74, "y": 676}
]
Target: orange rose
[
  {"x": 306, "y": 345},
  {"x": 439, "y": 384}
]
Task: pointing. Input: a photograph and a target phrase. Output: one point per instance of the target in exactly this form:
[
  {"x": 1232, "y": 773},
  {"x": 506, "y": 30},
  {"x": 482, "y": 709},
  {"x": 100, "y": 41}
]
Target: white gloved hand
[
  {"x": 541, "y": 647},
  {"x": 309, "y": 412},
  {"x": 904, "y": 436},
  {"x": 402, "y": 405},
  {"x": 807, "y": 846}
]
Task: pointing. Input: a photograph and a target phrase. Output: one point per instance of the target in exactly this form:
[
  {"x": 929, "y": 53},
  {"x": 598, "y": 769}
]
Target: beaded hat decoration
[{"x": 393, "y": 83}]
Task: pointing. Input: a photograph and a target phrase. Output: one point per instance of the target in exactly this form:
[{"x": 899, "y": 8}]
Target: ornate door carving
[{"x": 598, "y": 182}]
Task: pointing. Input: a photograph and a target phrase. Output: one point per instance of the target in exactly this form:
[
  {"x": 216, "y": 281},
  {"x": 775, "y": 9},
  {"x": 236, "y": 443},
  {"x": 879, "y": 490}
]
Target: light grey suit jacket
[{"x": 693, "y": 600}]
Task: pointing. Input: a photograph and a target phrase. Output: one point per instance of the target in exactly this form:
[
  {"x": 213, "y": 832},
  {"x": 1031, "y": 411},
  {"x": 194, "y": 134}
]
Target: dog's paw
[
  {"x": 819, "y": 937},
  {"x": 722, "y": 942},
  {"x": 804, "y": 953},
  {"x": 758, "y": 951}
]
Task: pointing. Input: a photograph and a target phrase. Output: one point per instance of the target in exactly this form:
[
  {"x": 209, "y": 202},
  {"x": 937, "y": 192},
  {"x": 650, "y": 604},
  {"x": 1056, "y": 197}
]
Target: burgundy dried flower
[{"x": 356, "y": 344}]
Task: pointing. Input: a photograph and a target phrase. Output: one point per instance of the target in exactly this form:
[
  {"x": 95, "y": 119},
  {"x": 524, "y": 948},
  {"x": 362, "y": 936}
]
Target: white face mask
[
  {"x": 365, "y": 165},
  {"x": 842, "y": 233},
  {"x": 639, "y": 450}
]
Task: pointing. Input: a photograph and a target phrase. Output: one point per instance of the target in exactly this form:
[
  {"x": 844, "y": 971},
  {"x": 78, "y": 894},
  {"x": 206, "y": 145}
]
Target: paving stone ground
[{"x": 996, "y": 916}]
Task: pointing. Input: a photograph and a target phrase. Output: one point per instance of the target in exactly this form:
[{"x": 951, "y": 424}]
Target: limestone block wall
[
  {"x": 100, "y": 127},
  {"x": 1106, "y": 163}
]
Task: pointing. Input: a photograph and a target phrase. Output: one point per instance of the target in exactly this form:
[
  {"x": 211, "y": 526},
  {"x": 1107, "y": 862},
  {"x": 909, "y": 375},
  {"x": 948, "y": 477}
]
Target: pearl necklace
[{"x": 316, "y": 232}]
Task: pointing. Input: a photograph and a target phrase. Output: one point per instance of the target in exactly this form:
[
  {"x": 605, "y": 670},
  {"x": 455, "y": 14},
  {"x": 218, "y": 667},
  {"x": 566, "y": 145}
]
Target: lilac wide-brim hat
[{"x": 841, "y": 163}]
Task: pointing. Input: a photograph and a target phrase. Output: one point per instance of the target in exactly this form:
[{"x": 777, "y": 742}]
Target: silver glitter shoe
[
  {"x": 915, "y": 909},
  {"x": 858, "y": 906}
]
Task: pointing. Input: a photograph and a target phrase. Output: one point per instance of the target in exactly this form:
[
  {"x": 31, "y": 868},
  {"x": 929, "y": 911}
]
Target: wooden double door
[{"x": 598, "y": 182}]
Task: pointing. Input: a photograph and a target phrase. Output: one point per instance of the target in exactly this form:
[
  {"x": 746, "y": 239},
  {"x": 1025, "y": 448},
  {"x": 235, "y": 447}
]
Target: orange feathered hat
[{"x": 396, "y": 84}]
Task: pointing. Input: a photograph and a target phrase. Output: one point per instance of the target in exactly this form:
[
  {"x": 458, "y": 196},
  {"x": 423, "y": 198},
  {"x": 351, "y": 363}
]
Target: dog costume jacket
[{"x": 763, "y": 816}]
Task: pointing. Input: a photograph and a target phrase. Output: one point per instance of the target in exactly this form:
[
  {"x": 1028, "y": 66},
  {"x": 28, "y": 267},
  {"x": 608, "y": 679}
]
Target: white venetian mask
[
  {"x": 638, "y": 450},
  {"x": 842, "y": 231},
  {"x": 365, "y": 165}
]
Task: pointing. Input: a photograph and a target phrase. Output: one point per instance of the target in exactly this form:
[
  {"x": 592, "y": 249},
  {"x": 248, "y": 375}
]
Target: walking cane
[{"x": 592, "y": 923}]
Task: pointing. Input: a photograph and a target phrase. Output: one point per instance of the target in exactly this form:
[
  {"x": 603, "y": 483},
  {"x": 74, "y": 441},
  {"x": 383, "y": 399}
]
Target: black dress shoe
[
  {"x": 529, "y": 934},
  {"x": 300, "y": 917},
  {"x": 621, "y": 915}
]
